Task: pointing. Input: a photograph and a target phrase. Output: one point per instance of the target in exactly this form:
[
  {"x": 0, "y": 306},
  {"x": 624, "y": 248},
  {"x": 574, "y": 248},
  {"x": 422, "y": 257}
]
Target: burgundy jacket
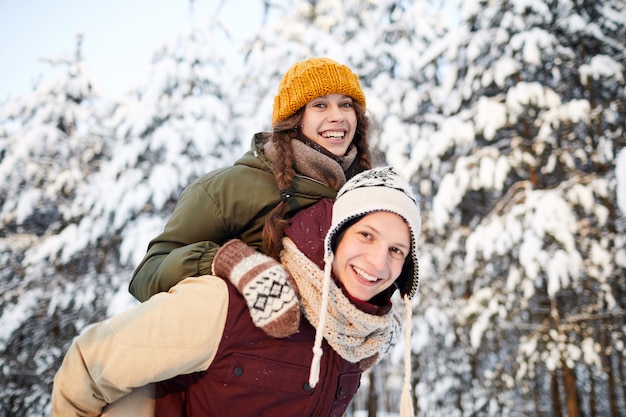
[{"x": 256, "y": 375}]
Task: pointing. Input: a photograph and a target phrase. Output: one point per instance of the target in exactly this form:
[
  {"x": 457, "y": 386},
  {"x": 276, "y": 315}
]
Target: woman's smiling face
[
  {"x": 371, "y": 253},
  {"x": 330, "y": 121}
]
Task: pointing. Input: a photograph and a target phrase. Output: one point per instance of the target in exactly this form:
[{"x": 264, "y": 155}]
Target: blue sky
[{"x": 119, "y": 36}]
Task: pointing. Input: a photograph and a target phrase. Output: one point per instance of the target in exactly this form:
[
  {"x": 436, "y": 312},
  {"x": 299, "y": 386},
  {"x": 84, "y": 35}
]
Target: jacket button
[
  {"x": 238, "y": 371},
  {"x": 307, "y": 387},
  {"x": 341, "y": 391}
]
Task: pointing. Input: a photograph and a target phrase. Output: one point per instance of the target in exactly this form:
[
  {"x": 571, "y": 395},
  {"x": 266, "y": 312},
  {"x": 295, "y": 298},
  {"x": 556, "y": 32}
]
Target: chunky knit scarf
[
  {"x": 357, "y": 336},
  {"x": 316, "y": 163}
]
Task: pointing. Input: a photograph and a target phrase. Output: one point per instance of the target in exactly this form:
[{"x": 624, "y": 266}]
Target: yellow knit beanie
[{"x": 312, "y": 78}]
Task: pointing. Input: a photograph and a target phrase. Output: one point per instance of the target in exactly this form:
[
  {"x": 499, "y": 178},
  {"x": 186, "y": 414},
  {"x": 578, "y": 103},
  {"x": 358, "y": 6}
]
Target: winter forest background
[{"x": 508, "y": 116}]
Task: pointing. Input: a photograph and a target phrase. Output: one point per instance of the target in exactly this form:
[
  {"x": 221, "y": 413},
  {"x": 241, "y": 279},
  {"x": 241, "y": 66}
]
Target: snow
[
  {"x": 620, "y": 174},
  {"x": 490, "y": 116},
  {"x": 575, "y": 23},
  {"x": 136, "y": 237},
  {"x": 558, "y": 272},
  {"x": 449, "y": 196},
  {"x": 120, "y": 302},
  {"x": 545, "y": 215},
  {"x": 503, "y": 69},
  {"x": 14, "y": 315},
  {"x": 601, "y": 66},
  {"x": 26, "y": 202},
  {"x": 524, "y": 94},
  {"x": 590, "y": 349}
]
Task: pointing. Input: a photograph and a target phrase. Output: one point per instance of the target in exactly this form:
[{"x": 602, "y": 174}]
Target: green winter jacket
[{"x": 224, "y": 204}]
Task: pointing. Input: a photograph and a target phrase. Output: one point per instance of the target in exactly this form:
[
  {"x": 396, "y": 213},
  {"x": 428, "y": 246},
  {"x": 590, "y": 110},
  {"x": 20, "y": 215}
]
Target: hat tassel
[{"x": 406, "y": 403}]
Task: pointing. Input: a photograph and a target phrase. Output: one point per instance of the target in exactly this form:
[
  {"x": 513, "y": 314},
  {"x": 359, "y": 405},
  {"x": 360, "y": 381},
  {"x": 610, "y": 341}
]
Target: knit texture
[
  {"x": 313, "y": 164},
  {"x": 310, "y": 79},
  {"x": 264, "y": 283}
]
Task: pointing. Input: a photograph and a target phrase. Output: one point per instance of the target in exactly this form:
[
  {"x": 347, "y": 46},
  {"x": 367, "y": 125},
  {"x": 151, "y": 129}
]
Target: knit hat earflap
[
  {"x": 377, "y": 189},
  {"x": 312, "y": 78}
]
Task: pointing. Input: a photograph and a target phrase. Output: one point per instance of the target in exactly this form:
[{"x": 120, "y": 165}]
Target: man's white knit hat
[{"x": 379, "y": 189}]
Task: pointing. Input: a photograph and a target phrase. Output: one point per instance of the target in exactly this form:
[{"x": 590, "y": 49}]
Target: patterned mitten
[{"x": 265, "y": 284}]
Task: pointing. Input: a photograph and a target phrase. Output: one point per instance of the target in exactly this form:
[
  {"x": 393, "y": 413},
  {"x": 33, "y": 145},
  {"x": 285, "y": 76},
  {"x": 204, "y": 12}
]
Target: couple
[{"x": 247, "y": 335}]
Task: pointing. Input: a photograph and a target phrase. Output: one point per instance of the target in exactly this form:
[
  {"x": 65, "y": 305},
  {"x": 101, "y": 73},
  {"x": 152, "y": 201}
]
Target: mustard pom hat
[{"x": 312, "y": 78}]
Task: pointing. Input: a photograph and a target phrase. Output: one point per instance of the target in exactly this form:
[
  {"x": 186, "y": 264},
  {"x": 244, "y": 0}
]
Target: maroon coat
[{"x": 256, "y": 375}]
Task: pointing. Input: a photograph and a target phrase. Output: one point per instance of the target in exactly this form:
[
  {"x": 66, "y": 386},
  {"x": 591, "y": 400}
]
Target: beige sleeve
[
  {"x": 139, "y": 403},
  {"x": 172, "y": 333}
]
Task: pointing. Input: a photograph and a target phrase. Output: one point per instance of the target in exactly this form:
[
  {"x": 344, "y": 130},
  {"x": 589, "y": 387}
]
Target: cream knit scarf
[{"x": 355, "y": 335}]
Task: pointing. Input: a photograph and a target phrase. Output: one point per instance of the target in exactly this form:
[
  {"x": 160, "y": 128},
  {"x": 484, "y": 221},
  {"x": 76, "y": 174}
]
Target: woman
[
  {"x": 228, "y": 365},
  {"x": 318, "y": 141}
]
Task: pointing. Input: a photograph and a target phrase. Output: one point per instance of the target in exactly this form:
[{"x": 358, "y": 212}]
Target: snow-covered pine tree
[
  {"x": 512, "y": 145},
  {"x": 49, "y": 143},
  {"x": 107, "y": 181},
  {"x": 51, "y": 140},
  {"x": 506, "y": 115},
  {"x": 168, "y": 132}
]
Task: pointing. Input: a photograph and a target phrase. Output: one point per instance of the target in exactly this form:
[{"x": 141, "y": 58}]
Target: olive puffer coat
[{"x": 224, "y": 204}]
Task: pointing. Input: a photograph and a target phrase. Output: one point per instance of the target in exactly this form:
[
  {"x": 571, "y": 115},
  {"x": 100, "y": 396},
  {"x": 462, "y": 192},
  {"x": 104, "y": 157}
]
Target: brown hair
[{"x": 283, "y": 132}]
